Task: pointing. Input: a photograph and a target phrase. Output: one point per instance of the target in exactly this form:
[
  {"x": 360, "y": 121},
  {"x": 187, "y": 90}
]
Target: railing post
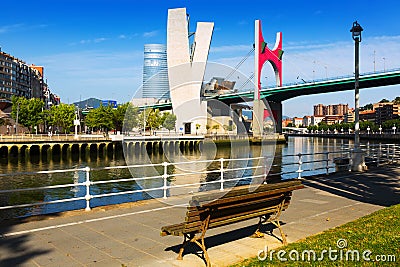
[
  {"x": 299, "y": 170},
  {"x": 393, "y": 153},
  {"x": 350, "y": 159},
  {"x": 327, "y": 162},
  {"x": 222, "y": 174},
  {"x": 387, "y": 153},
  {"x": 165, "y": 177},
  {"x": 87, "y": 184},
  {"x": 378, "y": 157}
]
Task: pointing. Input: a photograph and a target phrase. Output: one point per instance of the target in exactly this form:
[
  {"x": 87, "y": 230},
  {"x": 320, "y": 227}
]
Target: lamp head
[{"x": 356, "y": 31}]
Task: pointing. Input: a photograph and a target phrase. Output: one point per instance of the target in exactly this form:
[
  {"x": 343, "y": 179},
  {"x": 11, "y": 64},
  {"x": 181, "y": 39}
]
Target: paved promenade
[{"x": 130, "y": 234}]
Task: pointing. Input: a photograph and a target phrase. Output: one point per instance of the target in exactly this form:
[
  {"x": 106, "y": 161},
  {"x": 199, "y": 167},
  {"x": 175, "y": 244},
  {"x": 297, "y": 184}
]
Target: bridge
[
  {"x": 337, "y": 84},
  {"x": 276, "y": 95}
]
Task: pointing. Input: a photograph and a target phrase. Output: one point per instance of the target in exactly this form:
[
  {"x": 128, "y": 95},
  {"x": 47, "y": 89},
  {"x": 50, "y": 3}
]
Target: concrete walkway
[{"x": 129, "y": 234}]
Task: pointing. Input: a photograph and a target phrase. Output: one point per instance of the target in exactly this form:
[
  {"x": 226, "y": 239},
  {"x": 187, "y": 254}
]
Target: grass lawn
[{"x": 375, "y": 237}]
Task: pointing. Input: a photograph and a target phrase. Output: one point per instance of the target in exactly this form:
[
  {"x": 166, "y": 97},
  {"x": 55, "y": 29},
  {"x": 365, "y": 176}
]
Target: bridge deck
[{"x": 130, "y": 234}]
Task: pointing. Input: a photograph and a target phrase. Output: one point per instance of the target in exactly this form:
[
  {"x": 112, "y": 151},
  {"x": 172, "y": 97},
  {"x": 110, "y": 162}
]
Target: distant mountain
[
  {"x": 285, "y": 117},
  {"x": 91, "y": 102}
]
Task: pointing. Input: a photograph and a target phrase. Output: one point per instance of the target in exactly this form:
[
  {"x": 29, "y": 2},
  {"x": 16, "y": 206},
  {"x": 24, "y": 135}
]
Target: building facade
[
  {"x": 315, "y": 120},
  {"x": 386, "y": 111},
  {"x": 319, "y": 110},
  {"x": 19, "y": 79},
  {"x": 307, "y": 121},
  {"x": 155, "y": 72},
  {"x": 337, "y": 109}
]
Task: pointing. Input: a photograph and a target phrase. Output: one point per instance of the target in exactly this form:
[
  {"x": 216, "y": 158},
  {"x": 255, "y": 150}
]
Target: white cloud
[
  {"x": 20, "y": 27},
  {"x": 150, "y": 34},
  {"x": 230, "y": 48},
  {"x": 8, "y": 28},
  {"x": 310, "y": 61},
  {"x": 99, "y": 40},
  {"x": 99, "y": 74}
]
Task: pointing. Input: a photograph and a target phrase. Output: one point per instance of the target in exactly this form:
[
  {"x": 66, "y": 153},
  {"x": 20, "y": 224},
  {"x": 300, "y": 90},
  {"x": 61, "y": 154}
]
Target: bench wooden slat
[
  {"x": 195, "y": 214},
  {"x": 195, "y": 226},
  {"x": 245, "y": 190}
]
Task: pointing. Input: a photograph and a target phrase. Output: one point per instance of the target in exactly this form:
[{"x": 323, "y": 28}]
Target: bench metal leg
[
  {"x": 277, "y": 224},
  {"x": 275, "y": 221},
  {"x": 195, "y": 239},
  {"x": 186, "y": 239}
]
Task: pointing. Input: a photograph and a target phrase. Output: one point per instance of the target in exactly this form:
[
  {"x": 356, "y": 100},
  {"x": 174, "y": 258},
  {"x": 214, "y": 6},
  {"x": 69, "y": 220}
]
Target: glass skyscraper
[{"x": 155, "y": 72}]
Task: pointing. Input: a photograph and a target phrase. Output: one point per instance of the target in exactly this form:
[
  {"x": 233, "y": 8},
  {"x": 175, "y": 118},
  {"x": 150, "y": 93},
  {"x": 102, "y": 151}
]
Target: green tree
[
  {"x": 30, "y": 111},
  {"x": 390, "y": 123},
  {"x": 131, "y": 118},
  {"x": 62, "y": 116},
  {"x": 323, "y": 126},
  {"x": 143, "y": 118},
  {"x": 369, "y": 106},
  {"x": 365, "y": 124},
  {"x": 2, "y": 121},
  {"x": 384, "y": 100},
  {"x": 397, "y": 100},
  {"x": 125, "y": 117},
  {"x": 100, "y": 118},
  {"x": 169, "y": 121},
  {"x": 208, "y": 127},
  {"x": 154, "y": 120}
]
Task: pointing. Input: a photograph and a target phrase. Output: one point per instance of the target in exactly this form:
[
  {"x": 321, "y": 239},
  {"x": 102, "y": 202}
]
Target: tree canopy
[
  {"x": 101, "y": 118},
  {"x": 29, "y": 111},
  {"x": 169, "y": 121},
  {"x": 62, "y": 116}
]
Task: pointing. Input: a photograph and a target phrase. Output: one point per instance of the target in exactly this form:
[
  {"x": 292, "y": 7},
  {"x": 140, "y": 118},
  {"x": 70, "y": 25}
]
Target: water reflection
[{"x": 177, "y": 174}]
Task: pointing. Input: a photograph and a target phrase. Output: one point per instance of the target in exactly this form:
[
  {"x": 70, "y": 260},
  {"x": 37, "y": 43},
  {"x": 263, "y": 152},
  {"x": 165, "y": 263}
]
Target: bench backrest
[{"x": 239, "y": 204}]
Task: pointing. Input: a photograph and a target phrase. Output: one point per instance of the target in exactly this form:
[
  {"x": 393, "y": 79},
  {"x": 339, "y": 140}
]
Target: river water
[{"x": 16, "y": 173}]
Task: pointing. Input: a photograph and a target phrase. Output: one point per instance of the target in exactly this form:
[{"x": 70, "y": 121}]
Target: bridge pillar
[
  {"x": 276, "y": 108},
  {"x": 263, "y": 54}
]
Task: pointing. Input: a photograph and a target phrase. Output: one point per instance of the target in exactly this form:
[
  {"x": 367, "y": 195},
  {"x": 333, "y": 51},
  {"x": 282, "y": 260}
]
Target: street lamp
[
  {"x": 394, "y": 129},
  {"x": 358, "y": 161},
  {"x": 368, "y": 129},
  {"x": 380, "y": 129},
  {"x": 16, "y": 121}
]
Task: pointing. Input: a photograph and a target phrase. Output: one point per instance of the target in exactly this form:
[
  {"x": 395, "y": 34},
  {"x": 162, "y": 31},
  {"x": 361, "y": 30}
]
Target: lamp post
[
  {"x": 380, "y": 129},
  {"x": 368, "y": 129},
  {"x": 358, "y": 161},
  {"x": 76, "y": 124},
  {"x": 16, "y": 121},
  {"x": 394, "y": 129}
]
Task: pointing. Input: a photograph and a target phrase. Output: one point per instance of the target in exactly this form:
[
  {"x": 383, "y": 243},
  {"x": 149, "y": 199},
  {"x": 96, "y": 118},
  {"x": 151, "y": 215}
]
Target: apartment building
[{"x": 19, "y": 79}]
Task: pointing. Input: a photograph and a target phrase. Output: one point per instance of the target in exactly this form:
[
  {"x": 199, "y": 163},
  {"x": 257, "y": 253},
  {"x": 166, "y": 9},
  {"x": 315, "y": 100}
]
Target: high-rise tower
[{"x": 155, "y": 72}]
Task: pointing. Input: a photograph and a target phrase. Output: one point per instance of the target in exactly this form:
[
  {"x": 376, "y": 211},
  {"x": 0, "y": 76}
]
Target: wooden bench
[{"x": 211, "y": 210}]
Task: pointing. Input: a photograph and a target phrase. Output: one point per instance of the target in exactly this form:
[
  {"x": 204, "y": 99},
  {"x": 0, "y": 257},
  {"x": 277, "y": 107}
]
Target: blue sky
[{"x": 94, "y": 48}]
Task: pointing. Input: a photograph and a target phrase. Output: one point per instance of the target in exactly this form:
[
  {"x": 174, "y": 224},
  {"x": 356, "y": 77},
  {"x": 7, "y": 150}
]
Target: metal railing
[
  {"x": 53, "y": 137},
  {"x": 217, "y": 174}
]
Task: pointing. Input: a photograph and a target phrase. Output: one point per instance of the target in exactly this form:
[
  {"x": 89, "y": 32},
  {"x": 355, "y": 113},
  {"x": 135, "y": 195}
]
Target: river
[{"x": 17, "y": 173}]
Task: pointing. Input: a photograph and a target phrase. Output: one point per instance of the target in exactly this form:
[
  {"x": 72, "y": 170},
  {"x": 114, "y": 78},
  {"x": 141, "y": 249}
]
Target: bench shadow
[
  {"x": 16, "y": 250},
  {"x": 226, "y": 237},
  {"x": 379, "y": 186}
]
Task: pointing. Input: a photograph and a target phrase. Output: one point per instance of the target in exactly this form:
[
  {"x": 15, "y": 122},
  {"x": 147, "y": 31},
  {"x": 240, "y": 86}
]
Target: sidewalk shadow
[
  {"x": 226, "y": 237},
  {"x": 379, "y": 186},
  {"x": 15, "y": 250}
]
